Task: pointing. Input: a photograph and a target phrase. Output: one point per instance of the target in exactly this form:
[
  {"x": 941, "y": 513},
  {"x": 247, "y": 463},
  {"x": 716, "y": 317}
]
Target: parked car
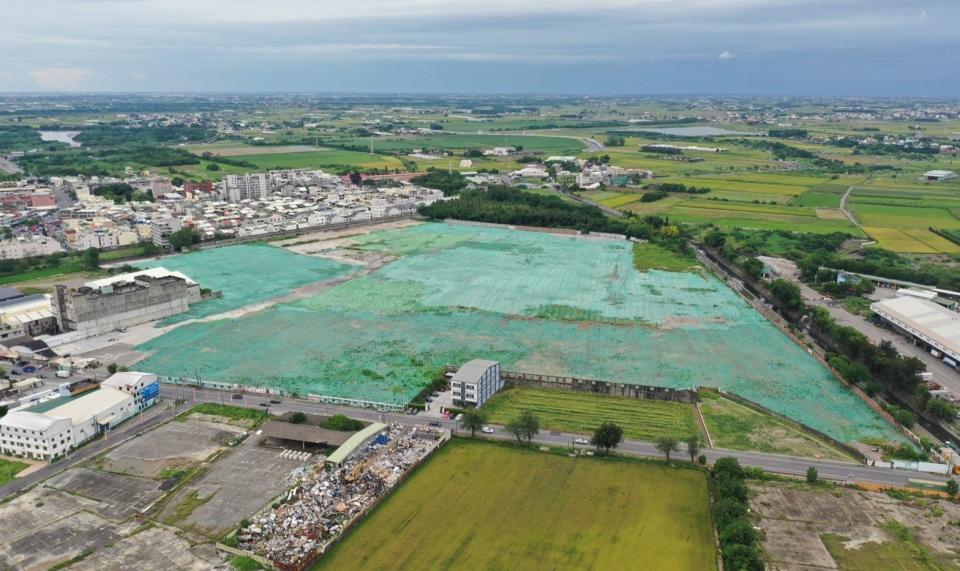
[
  {"x": 264, "y": 404},
  {"x": 581, "y": 441},
  {"x": 435, "y": 423},
  {"x": 275, "y": 401},
  {"x": 236, "y": 397},
  {"x": 486, "y": 430},
  {"x": 458, "y": 417}
]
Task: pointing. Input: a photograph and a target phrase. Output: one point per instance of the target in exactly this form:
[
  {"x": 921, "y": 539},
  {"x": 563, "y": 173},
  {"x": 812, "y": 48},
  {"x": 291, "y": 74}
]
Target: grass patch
[
  {"x": 186, "y": 507},
  {"x": 73, "y": 560},
  {"x": 737, "y": 427},
  {"x": 902, "y": 552},
  {"x": 244, "y": 563},
  {"x": 237, "y": 414},
  {"x": 531, "y": 510},
  {"x": 647, "y": 256},
  {"x": 572, "y": 411},
  {"x": 9, "y": 470}
]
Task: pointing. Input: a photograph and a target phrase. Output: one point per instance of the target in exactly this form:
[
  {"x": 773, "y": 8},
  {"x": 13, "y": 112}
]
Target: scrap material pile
[{"x": 325, "y": 501}]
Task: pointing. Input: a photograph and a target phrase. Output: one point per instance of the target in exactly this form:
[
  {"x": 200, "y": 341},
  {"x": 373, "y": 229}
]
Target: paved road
[
  {"x": 593, "y": 145},
  {"x": 942, "y": 373},
  {"x": 130, "y": 429},
  {"x": 780, "y": 464}
]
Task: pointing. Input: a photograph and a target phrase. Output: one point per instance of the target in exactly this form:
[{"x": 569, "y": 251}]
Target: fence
[
  {"x": 310, "y": 229},
  {"x": 544, "y": 230},
  {"x": 323, "y": 399},
  {"x": 517, "y": 379},
  {"x": 816, "y": 351}
]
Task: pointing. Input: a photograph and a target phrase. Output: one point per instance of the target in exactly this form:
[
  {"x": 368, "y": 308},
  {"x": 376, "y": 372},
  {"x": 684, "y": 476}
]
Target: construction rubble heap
[{"x": 328, "y": 499}]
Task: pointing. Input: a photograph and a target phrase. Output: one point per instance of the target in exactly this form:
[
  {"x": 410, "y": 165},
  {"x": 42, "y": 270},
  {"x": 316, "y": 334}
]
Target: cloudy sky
[{"x": 816, "y": 47}]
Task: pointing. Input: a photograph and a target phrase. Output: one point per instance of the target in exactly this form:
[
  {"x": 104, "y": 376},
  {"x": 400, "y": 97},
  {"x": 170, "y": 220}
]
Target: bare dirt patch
[
  {"x": 173, "y": 445},
  {"x": 794, "y": 517}
]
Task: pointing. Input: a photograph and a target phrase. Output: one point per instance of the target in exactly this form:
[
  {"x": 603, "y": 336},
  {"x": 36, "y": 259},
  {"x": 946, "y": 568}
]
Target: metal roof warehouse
[{"x": 932, "y": 323}]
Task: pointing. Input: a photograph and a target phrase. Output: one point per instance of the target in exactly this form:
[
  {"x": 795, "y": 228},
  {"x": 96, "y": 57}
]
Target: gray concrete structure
[
  {"x": 475, "y": 382},
  {"x": 143, "y": 298}
]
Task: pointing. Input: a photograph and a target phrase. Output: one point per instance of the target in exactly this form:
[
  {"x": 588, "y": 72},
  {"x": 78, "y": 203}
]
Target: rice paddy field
[
  {"x": 477, "y": 505},
  {"x": 571, "y": 411},
  {"x": 536, "y": 302},
  {"x": 762, "y": 201},
  {"x": 899, "y": 215}
]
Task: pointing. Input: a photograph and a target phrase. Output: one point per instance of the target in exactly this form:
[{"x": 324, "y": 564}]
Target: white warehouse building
[
  {"x": 49, "y": 430},
  {"x": 475, "y": 382},
  {"x": 925, "y": 321}
]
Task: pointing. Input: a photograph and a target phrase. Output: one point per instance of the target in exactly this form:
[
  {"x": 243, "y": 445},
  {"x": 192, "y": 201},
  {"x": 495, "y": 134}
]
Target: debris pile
[{"x": 325, "y": 501}]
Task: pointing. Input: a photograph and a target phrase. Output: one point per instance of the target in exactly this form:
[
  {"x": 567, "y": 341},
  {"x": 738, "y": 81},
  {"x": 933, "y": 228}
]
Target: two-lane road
[{"x": 776, "y": 463}]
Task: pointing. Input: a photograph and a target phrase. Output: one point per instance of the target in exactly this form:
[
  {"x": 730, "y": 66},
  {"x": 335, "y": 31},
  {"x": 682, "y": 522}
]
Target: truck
[{"x": 64, "y": 370}]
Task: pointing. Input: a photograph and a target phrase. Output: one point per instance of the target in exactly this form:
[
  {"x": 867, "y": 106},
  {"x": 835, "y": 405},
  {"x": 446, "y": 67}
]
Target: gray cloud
[{"x": 500, "y": 45}]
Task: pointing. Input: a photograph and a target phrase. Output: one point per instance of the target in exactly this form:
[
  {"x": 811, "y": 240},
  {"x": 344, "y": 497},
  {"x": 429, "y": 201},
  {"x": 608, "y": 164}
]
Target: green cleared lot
[
  {"x": 9, "y": 470},
  {"x": 571, "y": 411},
  {"x": 738, "y": 427},
  {"x": 647, "y": 256},
  {"x": 491, "y": 506}
]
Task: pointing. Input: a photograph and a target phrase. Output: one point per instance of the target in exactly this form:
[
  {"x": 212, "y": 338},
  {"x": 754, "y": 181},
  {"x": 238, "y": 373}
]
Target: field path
[{"x": 843, "y": 207}]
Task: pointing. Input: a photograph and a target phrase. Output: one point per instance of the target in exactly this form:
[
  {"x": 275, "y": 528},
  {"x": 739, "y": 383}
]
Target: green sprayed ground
[
  {"x": 541, "y": 304},
  {"x": 570, "y": 411},
  {"x": 491, "y": 506}
]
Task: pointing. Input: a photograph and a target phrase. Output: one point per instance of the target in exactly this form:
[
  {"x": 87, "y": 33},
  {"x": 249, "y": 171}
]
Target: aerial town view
[{"x": 457, "y": 286}]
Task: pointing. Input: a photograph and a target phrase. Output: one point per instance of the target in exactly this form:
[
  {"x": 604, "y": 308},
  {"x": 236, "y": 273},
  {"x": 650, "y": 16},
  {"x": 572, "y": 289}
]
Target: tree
[
  {"x": 177, "y": 181},
  {"x": 812, "y": 475},
  {"x": 941, "y": 409},
  {"x": 738, "y": 531},
  {"x": 728, "y": 510},
  {"x": 693, "y": 446},
  {"x": 530, "y": 423},
  {"x": 298, "y": 418},
  {"x": 515, "y": 428},
  {"x": 952, "y": 487},
  {"x": 112, "y": 368},
  {"x": 213, "y": 167},
  {"x": 666, "y": 445},
  {"x": 90, "y": 259},
  {"x": 473, "y": 420},
  {"x": 715, "y": 239},
  {"x": 356, "y": 178},
  {"x": 183, "y": 238},
  {"x": 608, "y": 435}
]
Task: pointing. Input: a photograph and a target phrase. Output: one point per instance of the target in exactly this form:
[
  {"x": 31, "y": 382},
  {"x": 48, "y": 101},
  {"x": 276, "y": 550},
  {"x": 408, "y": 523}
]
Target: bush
[
  {"x": 738, "y": 531},
  {"x": 727, "y": 511},
  {"x": 732, "y": 488},
  {"x": 812, "y": 475},
  {"x": 342, "y": 423},
  {"x": 702, "y": 460},
  {"x": 298, "y": 418},
  {"x": 727, "y": 467}
]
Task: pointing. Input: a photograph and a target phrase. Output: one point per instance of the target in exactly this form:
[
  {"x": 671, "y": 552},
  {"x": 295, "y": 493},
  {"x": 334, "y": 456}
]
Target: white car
[
  {"x": 486, "y": 430},
  {"x": 581, "y": 441}
]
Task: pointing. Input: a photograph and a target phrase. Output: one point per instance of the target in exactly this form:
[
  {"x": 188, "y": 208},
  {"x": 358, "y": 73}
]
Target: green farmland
[
  {"x": 481, "y": 505},
  {"x": 738, "y": 427},
  {"x": 571, "y": 411}
]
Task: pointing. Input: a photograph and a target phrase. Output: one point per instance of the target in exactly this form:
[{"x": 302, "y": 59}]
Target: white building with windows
[
  {"x": 475, "y": 382},
  {"x": 47, "y": 433},
  {"x": 144, "y": 387},
  {"x": 235, "y": 187}
]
